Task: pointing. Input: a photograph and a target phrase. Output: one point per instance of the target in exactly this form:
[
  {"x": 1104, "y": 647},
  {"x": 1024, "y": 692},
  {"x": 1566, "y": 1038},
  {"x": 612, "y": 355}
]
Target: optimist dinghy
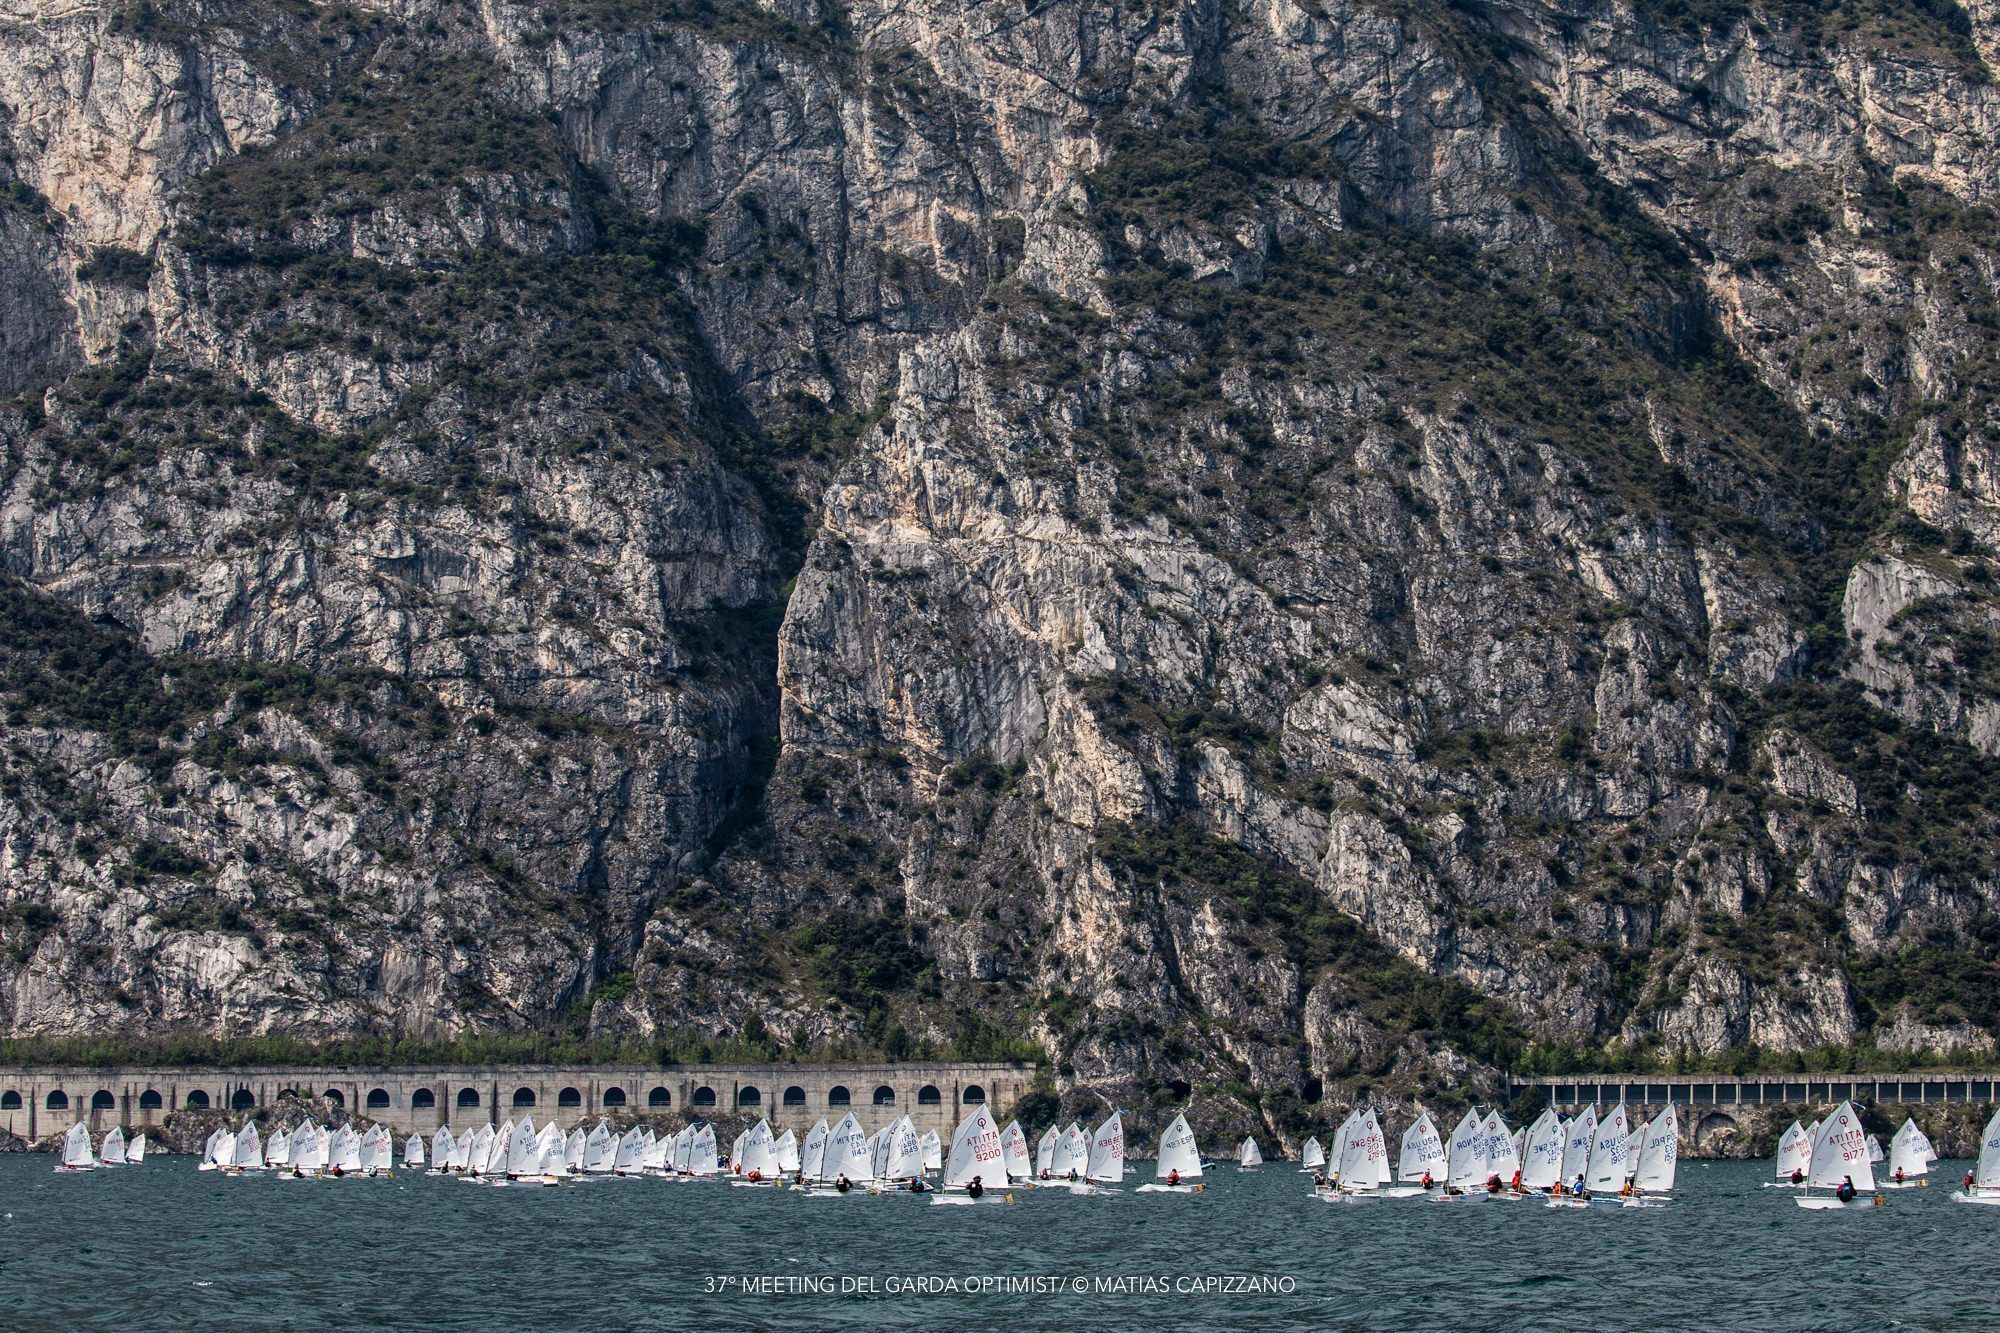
[
  {"x": 1840, "y": 1163},
  {"x": 1985, "y": 1186},
  {"x": 975, "y": 1159},
  {"x": 76, "y": 1154},
  {"x": 1249, "y": 1157},
  {"x": 1178, "y": 1167}
]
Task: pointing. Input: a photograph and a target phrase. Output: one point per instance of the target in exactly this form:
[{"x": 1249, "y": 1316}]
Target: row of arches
[{"x": 425, "y": 1099}]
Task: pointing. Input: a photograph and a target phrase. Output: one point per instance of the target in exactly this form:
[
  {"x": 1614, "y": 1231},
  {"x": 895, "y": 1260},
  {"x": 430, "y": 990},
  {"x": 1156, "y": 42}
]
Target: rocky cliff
[{"x": 1253, "y": 545}]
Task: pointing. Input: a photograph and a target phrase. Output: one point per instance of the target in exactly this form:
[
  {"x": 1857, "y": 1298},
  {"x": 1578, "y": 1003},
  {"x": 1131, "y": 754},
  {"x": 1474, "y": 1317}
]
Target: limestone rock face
[{"x": 1259, "y": 548}]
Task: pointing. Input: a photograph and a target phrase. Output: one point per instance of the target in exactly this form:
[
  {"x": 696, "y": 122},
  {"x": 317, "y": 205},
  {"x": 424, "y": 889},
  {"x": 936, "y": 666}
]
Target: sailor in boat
[
  {"x": 843, "y": 1184},
  {"x": 1428, "y": 1182},
  {"x": 1493, "y": 1184},
  {"x": 1968, "y": 1182},
  {"x": 975, "y": 1189},
  {"x": 1515, "y": 1183},
  {"x": 1577, "y": 1189},
  {"x": 1899, "y": 1175},
  {"x": 755, "y": 1176},
  {"x": 917, "y": 1185},
  {"x": 1174, "y": 1177},
  {"x": 1625, "y": 1190},
  {"x": 1846, "y": 1191},
  {"x": 1798, "y": 1177}
]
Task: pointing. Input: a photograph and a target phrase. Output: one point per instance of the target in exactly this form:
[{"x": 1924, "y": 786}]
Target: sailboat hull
[
  {"x": 1400, "y": 1191},
  {"x": 1960, "y": 1196},
  {"x": 1157, "y": 1188},
  {"x": 1820, "y": 1203},
  {"x": 1916, "y": 1184}
]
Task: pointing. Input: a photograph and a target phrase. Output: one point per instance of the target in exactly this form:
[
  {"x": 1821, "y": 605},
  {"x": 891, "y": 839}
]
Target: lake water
[{"x": 162, "y": 1245}]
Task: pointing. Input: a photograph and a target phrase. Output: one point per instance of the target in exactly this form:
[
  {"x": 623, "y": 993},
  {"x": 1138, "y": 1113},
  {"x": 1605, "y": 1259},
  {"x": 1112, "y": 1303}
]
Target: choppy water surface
[{"x": 165, "y": 1245}]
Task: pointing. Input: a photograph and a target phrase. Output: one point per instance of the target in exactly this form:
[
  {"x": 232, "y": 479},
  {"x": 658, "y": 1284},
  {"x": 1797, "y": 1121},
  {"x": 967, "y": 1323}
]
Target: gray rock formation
[{"x": 1255, "y": 547}]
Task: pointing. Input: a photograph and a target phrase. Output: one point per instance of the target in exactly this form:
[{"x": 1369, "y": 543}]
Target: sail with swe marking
[
  {"x": 111, "y": 1152},
  {"x": 975, "y": 1152},
  {"x": 1013, "y": 1152},
  {"x": 813, "y": 1155},
  {"x": 76, "y": 1147},
  {"x": 1577, "y": 1138},
  {"x": 1659, "y": 1152},
  {"x": 1045, "y": 1150},
  {"x": 1541, "y": 1162},
  {"x": 1501, "y": 1158},
  {"x": 1107, "y": 1151},
  {"x": 1312, "y": 1156},
  {"x": 1249, "y": 1154},
  {"x": 1423, "y": 1151},
  {"x": 905, "y": 1160},
  {"x": 1178, "y": 1153},
  {"x": 1986, "y": 1175},
  {"x": 1465, "y": 1154},
  {"x": 847, "y": 1152},
  {"x": 1337, "y": 1153},
  {"x": 1794, "y": 1152},
  {"x": 1907, "y": 1152},
  {"x": 1364, "y": 1163},
  {"x": 933, "y": 1151},
  {"x": 1842, "y": 1153},
  {"x": 787, "y": 1151},
  {"x": 1608, "y": 1153}
]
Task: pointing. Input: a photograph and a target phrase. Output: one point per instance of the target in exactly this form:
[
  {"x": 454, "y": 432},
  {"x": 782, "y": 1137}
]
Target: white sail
[
  {"x": 760, "y": 1157},
  {"x": 1072, "y": 1153},
  {"x": 1541, "y": 1166},
  {"x": 1907, "y": 1152},
  {"x": 1659, "y": 1152},
  {"x": 1045, "y": 1150},
  {"x": 657, "y": 1151},
  {"x": 76, "y": 1147},
  {"x": 1249, "y": 1154},
  {"x": 413, "y": 1151},
  {"x": 278, "y": 1149},
  {"x": 249, "y": 1148},
  {"x": 1013, "y": 1152},
  {"x": 310, "y": 1148},
  {"x": 1107, "y": 1151},
  {"x": 847, "y": 1153},
  {"x": 1502, "y": 1159},
  {"x": 1578, "y": 1135},
  {"x": 602, "y": 1152},
  {"x": 479, "y": 1150},
  {"x": 1178, "y": 1152},
  {"x": 878, "y": 1152},
  {"x": 524, "y": 1152},
  {"x": 1634, "y": 1141},
  {"x": 701, "y": 1152},
  {"x": 224, "y": 1151},
  {"x": 736, "y": 1151},
  {"x": 1423, "y": 1151},
  {"x": 135, "y": 1151},
  {"x": 553, "y": 1146},
  {"x": 1875, "y": 1153},
  {"x": 1364, "y": 1160},
  {"x": 1338, "y": 1149},
  {"x": 905, "y": 1158},
  {"x": 444, "y": 1150},
  {"x": 346, "y": 1149},
  {"x": 1986, "y": 1175},
  {"x": 574, "y": 1147},
  {"x": 975, "y": 1152},
  {"x": 1608, "y": 1152},
  {"x": 1842, "y": 1153},
  {"x": 812, "y": 1157},
  {"x": 1312, "y": 1157},
  {"x": 1794, "y": 1152},
  {"x": 681, "y": 1156},
  {"x": 111, "y": 1152},
  {"x": 378, "y": 1151},
  {"x": 1465, "y": 1155},
  {"x": 787, "y": 1151},
  {"x": 933, "y": 1151}
]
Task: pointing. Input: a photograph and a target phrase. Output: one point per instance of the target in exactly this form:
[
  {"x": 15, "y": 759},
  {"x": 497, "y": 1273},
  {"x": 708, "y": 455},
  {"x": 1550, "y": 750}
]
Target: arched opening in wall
[
  {"x": 59, "y": 1101},
  {"x": 1311, "y": 1090},
  {"x": 928, "y": 1095},
  {"x": 749, "y": 1097},
  {"x": 243, "y": 1100},
  {"x": 659, "y": 1097},
  {"x": 885, "y": 1095},
  {"x": 378, "y": 1099},
  {"x": 614, "y": 1096},
  {"x": 972, "y": 1096},
  {"x": 149, "y": 1100},
  {"x": 423, "y": 1099},
  {"x": 11, "y": 1101},
  {"x": 569, "y": 1097},
  {"x": 524, "y": 1096},
  {"x": 838, "y": 1096},
  {"x": 101, "y": 1100},
  {"x": 468, "y": 1098},
  {"x": 795, "y": 1096},
  {"x": 1714, "y": 1128},
  {"x": 197, "y": 1101},
  {"x": 333, "y": 1097},
  {"x": 704, "y": 1096}
]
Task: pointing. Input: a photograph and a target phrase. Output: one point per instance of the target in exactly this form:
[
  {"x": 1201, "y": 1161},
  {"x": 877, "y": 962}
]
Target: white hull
[
  {"x": 965, "y": 1201},
  {"x": 1823, "y": 1203},
  {"x": 1460, "y": 1198},
  {"x": 1400, "y": 1191},
  {"x": 1157, "y": 1188},
  {"x": 756, "y": 1184},
  {"x": 1960, "y": 1196},
  {"x": 1783, "y": 1185},
  {"x": 1566, "y": 1201},
  {"x": 1915, "y": 1184},
  {"x": 1647, "y": 1201}
]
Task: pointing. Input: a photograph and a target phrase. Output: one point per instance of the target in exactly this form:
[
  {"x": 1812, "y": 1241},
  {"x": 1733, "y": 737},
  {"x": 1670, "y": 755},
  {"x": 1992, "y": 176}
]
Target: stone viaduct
[{"x": 35, "y": 1103}]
